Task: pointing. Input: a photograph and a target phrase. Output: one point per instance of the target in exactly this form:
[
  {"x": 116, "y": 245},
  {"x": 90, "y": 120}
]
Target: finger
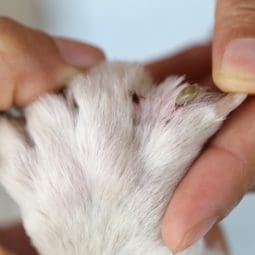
[
  {"x": 234, "y": 46},
  {"x": 31, "y": 62},
  {"x": 252, "y": 189},
  {"x": 194, "y": 63},
  {"x": 78, "y": 53},
  {"x": 216, "y": 182},
  {"x": 15, "y": 239}
]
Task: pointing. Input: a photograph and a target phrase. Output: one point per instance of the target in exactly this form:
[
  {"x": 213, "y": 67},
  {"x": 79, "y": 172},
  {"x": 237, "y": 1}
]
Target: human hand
[
  {"x": 222, "y": 174},
  {"x": 32, "y": 62},
  {"x": 234, "y": 46},
  {"x": 14, "y": 239}
]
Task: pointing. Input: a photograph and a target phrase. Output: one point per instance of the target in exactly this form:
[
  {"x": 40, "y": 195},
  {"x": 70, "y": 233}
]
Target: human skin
[
  {"x": 225, "y": 171},
  {"x": 219, "y": 178},
  {"x": 32, "y": 62},
  {"x": 22, "y": 246},
  {"x": 15, "y": 239}
]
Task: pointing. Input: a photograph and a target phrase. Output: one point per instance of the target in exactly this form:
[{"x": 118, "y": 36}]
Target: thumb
[{"x": 234, "y": 46}]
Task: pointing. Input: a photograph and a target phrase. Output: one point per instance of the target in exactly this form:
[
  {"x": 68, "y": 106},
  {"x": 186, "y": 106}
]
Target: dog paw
[
  {"x": 93, "y": 167},
  {"x": 176, "y": 119}
]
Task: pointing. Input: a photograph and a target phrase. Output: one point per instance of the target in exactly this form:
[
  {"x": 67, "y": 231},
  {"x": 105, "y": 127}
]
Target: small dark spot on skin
[
  {"x": 167, "y": 122},
  {"x": 135, "y": 98}
]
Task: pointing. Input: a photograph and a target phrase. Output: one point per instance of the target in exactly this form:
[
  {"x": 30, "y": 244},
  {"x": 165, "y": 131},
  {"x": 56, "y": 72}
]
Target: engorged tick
[{"x": 187, "y": 95}]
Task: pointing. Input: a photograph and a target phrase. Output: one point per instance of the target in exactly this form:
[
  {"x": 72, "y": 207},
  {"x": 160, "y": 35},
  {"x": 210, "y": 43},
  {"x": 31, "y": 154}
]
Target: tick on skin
[{"x": 187, "y": 94}]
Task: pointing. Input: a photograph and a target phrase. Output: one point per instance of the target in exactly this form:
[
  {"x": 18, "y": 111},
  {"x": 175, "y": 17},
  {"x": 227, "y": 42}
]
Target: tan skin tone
[
  {"x": 14, "y": 239},
  {"x": 225, "y": 170},
  {"x": 32, "y": 62}
]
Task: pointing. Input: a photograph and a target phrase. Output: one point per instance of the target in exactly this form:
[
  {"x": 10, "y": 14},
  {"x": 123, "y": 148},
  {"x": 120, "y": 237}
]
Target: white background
[{"x": 132, "y": 30}]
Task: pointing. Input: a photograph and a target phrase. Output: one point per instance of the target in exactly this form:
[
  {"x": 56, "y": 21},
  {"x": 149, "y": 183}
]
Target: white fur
[{"x": 93, "y": 172}]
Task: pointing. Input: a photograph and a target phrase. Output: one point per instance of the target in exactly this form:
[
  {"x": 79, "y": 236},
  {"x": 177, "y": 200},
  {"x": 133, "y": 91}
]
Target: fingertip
[
  {"x": 184, "y": 239},
  {"x": 78, "y": 53},
  {"x": 203, "y": 198},
  {"x": 235, "y": 72},
  {"x": 234, "y": 46},
  {"x": 186, "y": 222}
]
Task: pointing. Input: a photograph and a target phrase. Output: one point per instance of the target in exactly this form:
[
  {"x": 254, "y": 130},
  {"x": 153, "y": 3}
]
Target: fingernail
[
  {"x": 80, "y": 54},
  {"x": 195, "y": 233},
  {"x": 237, "y": 70},
  {"x": 88, "y": 60}
]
